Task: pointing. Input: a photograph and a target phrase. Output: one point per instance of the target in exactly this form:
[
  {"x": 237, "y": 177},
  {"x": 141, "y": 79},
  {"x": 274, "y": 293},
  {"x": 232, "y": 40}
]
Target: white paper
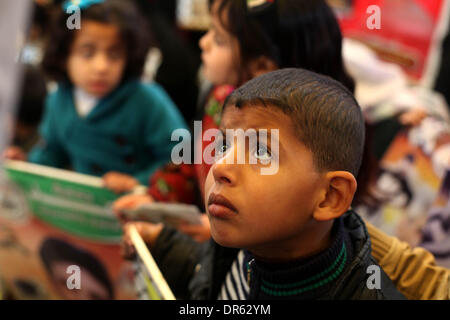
[{"x": 167, "y": 213}]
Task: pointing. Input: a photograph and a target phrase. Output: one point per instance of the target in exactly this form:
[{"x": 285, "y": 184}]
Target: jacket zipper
[{"x": 249, "y": 271}]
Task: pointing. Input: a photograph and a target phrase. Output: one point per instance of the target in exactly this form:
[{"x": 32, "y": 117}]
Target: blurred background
[{"x": 400, "y": 66}]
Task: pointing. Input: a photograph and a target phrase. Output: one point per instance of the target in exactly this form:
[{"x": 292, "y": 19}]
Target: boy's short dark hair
[
  {"x": 327, "y": 118},
  {"x": 133, "y": 29}
]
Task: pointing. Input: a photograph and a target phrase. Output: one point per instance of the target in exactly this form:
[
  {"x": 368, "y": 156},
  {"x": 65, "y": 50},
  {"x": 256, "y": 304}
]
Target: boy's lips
[{"x": 220, "y": 207}]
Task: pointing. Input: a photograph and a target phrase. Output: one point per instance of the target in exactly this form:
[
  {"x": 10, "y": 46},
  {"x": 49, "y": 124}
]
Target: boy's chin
[{"x": 226, "y": 241}]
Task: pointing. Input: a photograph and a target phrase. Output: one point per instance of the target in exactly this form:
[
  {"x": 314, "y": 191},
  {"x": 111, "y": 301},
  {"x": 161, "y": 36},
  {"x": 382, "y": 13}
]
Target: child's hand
[
  {"x": 119, "y": 182},
  {"x": 199, "y": 232},
  {"x": 129, "y": 202},
  {"x": 14, "y": 153},
  {"x": 148, "y": 231}
]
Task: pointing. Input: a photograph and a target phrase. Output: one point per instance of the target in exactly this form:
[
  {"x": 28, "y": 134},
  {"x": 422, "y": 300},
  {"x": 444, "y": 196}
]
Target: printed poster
[
  {"x": 409, "y": 181},
  {"x": 48, "y": 224},
  {"x": 410, "y": 32},
  {"x": 436, "y": 232}
]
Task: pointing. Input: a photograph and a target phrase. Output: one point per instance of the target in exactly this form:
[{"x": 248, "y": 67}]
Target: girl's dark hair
[
  {"x": 32, "y": 97},
  {"x": 296, "y": 34},
  {"x": 293, "y": 33},
  {"x": 133, "y": 30}
]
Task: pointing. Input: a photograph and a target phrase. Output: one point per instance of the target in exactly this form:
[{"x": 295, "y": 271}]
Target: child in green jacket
[{"x": 102, "y": 120}]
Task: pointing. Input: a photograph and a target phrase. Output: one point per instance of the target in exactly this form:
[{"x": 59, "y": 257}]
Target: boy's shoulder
[{"x": 363, "y": 278}]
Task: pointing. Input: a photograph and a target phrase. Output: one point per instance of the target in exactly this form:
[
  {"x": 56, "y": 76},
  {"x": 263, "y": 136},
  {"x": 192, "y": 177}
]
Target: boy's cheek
[
  {"x": 209, "y": 184},
  {"x": 271, "y": 169}
]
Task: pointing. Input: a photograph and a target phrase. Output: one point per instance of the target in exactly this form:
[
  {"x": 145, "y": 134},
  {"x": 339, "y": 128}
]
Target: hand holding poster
[
  {"x": 76, "y": 203},
  {"x": 66, "y": 229}
]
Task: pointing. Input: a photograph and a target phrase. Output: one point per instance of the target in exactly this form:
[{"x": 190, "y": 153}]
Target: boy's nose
[{"x": 225, "y": 169}]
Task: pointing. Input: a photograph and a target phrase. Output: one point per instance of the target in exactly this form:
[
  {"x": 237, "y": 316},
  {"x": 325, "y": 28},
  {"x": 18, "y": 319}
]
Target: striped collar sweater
[{"x": 307, "y": 278}]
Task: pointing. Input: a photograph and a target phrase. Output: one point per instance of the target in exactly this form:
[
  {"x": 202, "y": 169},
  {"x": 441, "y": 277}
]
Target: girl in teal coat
[{"x": 102, "y": 120}]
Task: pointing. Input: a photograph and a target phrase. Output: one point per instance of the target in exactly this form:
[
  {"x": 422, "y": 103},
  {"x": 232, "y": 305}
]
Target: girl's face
[
  {"x": 220, "y": 52},
  {"x": 97, "y": 58}
]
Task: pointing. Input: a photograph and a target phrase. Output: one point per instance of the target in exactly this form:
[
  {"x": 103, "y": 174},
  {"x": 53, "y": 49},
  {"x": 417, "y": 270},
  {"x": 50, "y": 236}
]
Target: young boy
[{"x": 294, "y": 234}]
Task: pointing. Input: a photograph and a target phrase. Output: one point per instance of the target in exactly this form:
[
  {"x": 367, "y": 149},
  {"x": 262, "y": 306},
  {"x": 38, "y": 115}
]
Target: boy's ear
[
  {"x": 261, "y": 65},
  {"x": 340, "y": 187}
]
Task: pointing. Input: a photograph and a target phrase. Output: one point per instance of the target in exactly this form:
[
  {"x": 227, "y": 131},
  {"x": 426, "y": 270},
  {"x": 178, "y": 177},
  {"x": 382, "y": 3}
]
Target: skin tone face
[
  {"x": 220, "y": 52},
  {"x": 97, "y": 58},
  {"x": 90, "y": 289},
  {"x": 271, "y": 215}
]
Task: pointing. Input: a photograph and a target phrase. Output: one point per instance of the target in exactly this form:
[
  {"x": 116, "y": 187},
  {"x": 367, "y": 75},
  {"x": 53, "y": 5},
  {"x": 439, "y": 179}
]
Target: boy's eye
[
  {"x": 221, "y": 147},
  {"x": 262, "y": 153}
]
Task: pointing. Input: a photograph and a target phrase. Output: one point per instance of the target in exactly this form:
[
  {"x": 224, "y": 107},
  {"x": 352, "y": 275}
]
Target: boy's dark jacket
[{"x": 197, "y": 271}]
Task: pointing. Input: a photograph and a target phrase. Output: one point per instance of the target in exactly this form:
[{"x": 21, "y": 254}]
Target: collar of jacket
[
  {"x": 306, "y": 278},
  {"x": 105, "y": 105},
  {"x": 359, "y": 236},
  {"x": 355, "y": 228}
]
